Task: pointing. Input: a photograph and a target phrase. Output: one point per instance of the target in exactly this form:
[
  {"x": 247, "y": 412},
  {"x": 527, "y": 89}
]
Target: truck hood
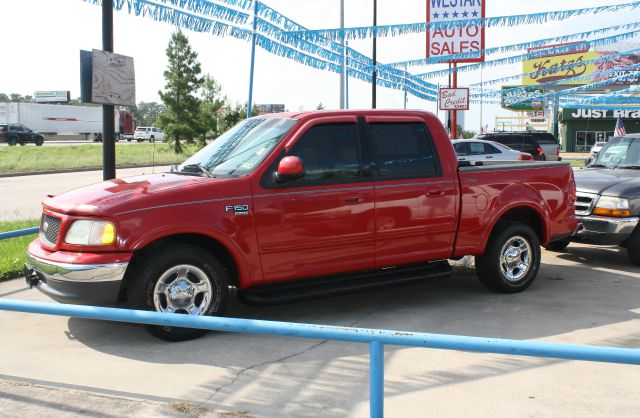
[
  {"x": 131, "y": 193},
  {"x": 609, "y": 182}
]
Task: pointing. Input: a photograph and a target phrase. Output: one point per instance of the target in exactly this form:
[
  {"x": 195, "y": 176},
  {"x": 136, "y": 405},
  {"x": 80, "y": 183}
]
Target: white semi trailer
[{"x": 52, "y": 119}]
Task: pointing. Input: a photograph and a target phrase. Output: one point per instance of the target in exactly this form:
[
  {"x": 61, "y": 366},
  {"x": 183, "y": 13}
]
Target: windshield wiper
[{"x": 199, "y": 169}]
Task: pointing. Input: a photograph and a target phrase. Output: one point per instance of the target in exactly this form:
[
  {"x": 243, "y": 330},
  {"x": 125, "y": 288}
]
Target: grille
[
  {"x": 585, "y": 203},
  {"x": 49, "y": 229}
]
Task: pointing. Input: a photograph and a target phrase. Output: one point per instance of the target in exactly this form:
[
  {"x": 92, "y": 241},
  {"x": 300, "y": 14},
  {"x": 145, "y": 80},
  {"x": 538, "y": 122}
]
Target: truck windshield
[
  {"x": 623, "y": 152},
  {"x": 241, "y": 149}
]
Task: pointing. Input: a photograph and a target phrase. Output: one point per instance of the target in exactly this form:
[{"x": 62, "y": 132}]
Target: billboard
[
  {"x": 547, "y": 67},
  {"x": 526, "y": 99},
  {"x": 461, "y": 39}
]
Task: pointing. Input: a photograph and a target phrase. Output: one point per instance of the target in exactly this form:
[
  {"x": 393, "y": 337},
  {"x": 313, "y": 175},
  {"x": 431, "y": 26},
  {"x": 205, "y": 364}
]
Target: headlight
[
  {"x": 612, "y": 206},
  {"x": 85, "y": 232}
]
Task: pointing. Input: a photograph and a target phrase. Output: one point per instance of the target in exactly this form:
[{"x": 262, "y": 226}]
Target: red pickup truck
[{"x": 298, "y": 205}]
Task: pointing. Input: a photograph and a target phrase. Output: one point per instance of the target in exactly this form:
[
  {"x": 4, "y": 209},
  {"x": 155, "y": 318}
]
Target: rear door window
[
  {"x": 476, "y": 148},
  {"x": 461, "y": 148},
  {"x": 403, "y": 150}
]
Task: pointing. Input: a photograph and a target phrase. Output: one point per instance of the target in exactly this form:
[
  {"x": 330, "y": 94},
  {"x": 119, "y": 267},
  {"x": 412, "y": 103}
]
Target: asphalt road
[
  {"x": 22, "y": 196},
  {"x": 56, "y": 366}
]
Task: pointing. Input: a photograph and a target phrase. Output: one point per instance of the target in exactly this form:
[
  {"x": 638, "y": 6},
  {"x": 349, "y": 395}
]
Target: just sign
[{"x": 456, "y": 40}]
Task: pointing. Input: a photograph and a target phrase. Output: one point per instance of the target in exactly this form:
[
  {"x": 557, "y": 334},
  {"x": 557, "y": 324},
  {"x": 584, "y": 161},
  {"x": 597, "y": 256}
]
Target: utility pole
[
  {"x": 108, "y": 116},
  {"x": 375, "y": 62},
  {"x": 344, "y": 58}
]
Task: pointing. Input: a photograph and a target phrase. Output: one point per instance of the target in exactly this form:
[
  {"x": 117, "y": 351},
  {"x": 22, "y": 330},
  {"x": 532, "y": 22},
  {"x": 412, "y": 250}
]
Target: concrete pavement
[
  {"x": 585, "y": 295},
  {"x": 22, "y": 196}
]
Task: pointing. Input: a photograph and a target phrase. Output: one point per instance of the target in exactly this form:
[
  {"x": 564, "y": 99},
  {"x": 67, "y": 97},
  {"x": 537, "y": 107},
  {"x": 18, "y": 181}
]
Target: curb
[{"x": 75, "y": 170}]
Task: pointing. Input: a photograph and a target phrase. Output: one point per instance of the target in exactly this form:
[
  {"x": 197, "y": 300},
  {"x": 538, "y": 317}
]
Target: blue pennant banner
[{"x": 321, "y": 35}]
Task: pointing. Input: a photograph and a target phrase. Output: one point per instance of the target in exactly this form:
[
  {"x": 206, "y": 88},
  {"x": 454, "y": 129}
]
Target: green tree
[
  {"x": 233, "y": 115},
  {"x": 210, "y": 108},
  {"x": 147, "y": 113},
  {"x": 320, "y": 106},
  {"x": 183, "y": 80}
]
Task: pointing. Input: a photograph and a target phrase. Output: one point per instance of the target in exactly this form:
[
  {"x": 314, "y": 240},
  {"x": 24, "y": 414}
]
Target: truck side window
[
  {"x": 404, "y": 150},
  {"x": 329, "y": 152}
]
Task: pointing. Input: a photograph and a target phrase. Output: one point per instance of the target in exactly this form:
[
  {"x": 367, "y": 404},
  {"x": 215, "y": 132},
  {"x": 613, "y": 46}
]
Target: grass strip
[
  {"x": 13, "y": 250},
  {"x": 63, "y": 157}
]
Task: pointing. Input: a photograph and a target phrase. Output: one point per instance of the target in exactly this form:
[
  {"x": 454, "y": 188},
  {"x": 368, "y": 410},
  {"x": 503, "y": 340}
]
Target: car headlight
[
  {"x": 612, "y": 206},
  {"x": 86, "y": 232}
]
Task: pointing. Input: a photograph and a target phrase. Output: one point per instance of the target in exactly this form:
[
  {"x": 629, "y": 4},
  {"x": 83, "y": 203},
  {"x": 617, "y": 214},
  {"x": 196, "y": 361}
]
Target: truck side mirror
[{"x": 289, "y": 168}]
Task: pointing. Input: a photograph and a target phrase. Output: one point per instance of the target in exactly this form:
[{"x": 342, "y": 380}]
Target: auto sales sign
[{"x": 459, "y": 39}]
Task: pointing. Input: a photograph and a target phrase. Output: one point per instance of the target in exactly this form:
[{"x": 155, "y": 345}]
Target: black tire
[
  {"x": 557, "y": 245},
  {"x": 152, "y": 139},
  {"x": 12, "y": 141},
  {"x": 165, "y": 264},
  {"x": 633, "y": 247},
  {"x": 492, "y": 267},
  {"x": 39, "y": 141},
  {"x": 140, "y": 139}
]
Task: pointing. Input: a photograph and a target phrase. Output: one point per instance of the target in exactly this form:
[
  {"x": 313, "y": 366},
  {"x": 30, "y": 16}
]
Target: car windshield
[
  {"x": 619, "y": 153},
  {"x": 241, "y": 149}
]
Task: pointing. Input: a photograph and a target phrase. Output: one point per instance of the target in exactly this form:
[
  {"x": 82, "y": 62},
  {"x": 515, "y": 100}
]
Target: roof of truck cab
[{"x": 354, "y": 112}]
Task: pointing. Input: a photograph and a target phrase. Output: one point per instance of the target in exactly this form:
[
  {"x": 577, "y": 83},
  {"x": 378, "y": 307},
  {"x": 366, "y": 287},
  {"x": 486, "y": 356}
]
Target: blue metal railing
[
  {"x": 18, "y": 233},
  {"x": 376, "y": 338}
]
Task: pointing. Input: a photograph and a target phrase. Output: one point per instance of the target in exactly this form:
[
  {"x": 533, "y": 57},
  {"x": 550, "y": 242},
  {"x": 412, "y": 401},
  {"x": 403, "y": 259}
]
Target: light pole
[
  {"x": 374, "y": 75},
  {"x": 108, "y": 117},
  {"x": 344, "y": 56}
]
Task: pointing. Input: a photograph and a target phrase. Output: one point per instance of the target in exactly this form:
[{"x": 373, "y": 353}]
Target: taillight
[
  {"x": 540, "y": 151},
  {"x": 525, "y": 157}
]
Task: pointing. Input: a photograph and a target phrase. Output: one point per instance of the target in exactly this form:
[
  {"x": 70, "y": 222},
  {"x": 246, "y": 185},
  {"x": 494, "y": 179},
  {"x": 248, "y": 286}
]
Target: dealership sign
[
  {"x": 454, "y": 99},
  {"x": 61, "y": 96},
  {"x": 521, "y": 98},
  {"x": 459, "y": 39},
  {"x": 572, "y": 62}
]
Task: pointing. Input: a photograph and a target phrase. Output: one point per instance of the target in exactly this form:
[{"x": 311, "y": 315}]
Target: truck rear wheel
[
  {"x": 511, "y": 260},
  {"x": 181, "y": 279}
]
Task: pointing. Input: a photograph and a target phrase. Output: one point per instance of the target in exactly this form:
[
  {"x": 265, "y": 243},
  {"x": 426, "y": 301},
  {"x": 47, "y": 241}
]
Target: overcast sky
[{"x": 42, "y": 40}]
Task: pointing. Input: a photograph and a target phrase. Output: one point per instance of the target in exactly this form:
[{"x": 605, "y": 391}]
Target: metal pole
[
  {"x": 454, "y": 115},
  {"x": 376, "y": 380},
  {"x": 253, "y": 58},
  {"x": 108, "y": 116},
  {"x": 344, "y": 58},
  {"x": 346, "y": 79},
  {"x": 481, "y": 100},
  {"x": 375, "y": 62},
  {"x": 404, "y": 85}
]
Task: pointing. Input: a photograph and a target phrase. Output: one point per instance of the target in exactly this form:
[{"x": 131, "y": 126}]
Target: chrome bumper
[
  {"x": 605, "y": 230},
  {"x": 86, "y": 284}
]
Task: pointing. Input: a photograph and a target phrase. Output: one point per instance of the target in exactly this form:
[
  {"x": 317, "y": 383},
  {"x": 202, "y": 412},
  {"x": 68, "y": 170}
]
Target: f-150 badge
[{"x": 238, "y": 209}]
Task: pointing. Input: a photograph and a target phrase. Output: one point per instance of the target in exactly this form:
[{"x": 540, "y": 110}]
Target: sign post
[{"x": 462, "y": 39}]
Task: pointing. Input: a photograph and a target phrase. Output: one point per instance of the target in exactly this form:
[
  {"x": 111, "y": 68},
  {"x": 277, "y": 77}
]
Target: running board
[{"x": 298, "y": 290}]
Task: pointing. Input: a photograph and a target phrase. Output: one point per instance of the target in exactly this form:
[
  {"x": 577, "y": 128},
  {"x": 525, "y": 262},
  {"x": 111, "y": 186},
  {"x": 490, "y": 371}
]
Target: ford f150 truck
[
  {"x": 298, "y": 205},
  {"x": 608, "y": 198}
]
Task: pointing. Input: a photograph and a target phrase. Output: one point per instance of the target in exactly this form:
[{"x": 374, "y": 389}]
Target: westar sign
[{"x": 459, "y": 39}]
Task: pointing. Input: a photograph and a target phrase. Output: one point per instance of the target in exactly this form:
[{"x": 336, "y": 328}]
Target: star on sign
[
  {"x": 465, "y": 14},
  {"x": 445, "y": 15},
  {"x": 475, "y": 13},
  {"x": 454, "y": 14},
  {"x": 436, "y": 15}
]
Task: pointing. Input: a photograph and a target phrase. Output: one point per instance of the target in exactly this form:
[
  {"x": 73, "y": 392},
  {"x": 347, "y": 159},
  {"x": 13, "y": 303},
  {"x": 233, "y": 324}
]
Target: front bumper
[
  {"x": 85, "y": 284},
  {"x": 604, "y": 230}
]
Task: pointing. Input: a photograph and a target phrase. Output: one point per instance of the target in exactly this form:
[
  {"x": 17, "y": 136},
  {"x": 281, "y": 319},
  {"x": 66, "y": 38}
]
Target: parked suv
[
  {"x": 148, "y": 133},
  {"x": 15, "y": 134},
  {"x": 521, "y": 141},
  {"x": 549, "y": 144}
]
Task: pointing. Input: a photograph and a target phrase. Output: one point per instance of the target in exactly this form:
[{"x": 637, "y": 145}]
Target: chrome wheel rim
[
  {"x": 184, "y": 289},
  {"x": 515, "y": 258}
]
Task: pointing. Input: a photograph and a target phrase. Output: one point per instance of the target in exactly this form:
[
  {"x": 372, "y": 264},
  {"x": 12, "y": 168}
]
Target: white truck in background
[{"x": 53, "y": 119}]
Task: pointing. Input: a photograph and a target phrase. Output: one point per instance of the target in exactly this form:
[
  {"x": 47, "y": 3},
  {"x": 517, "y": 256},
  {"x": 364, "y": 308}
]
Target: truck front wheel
[
  {"x": 181, "y": 279},
  {"x": 511, "y": 260}
]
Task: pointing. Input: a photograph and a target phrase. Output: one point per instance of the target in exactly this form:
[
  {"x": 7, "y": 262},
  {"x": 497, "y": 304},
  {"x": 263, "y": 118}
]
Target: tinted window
[
  {"x": 490, "y": 149},
  {"x": 461, "y": 148},
  {"x": 546, "y": 138},
  {"x": 476, "y": 148},
  {"x": 3, "y": 128},
  {"x": 16, "y": 128},
  {"x": 329, "y": 152},
  {"x": 403, "y": 149}
]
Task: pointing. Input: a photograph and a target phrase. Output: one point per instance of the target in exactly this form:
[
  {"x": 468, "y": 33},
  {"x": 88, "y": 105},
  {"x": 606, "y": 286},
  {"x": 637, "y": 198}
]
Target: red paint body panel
[{"x": 310, "y": 231}]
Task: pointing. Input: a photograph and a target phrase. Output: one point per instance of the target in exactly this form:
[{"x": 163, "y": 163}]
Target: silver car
[{"x": 480, "y": 150}]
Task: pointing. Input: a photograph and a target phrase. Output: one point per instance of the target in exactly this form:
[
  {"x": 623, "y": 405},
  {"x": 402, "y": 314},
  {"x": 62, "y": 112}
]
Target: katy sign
[{"x": 458, "y": 39}]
